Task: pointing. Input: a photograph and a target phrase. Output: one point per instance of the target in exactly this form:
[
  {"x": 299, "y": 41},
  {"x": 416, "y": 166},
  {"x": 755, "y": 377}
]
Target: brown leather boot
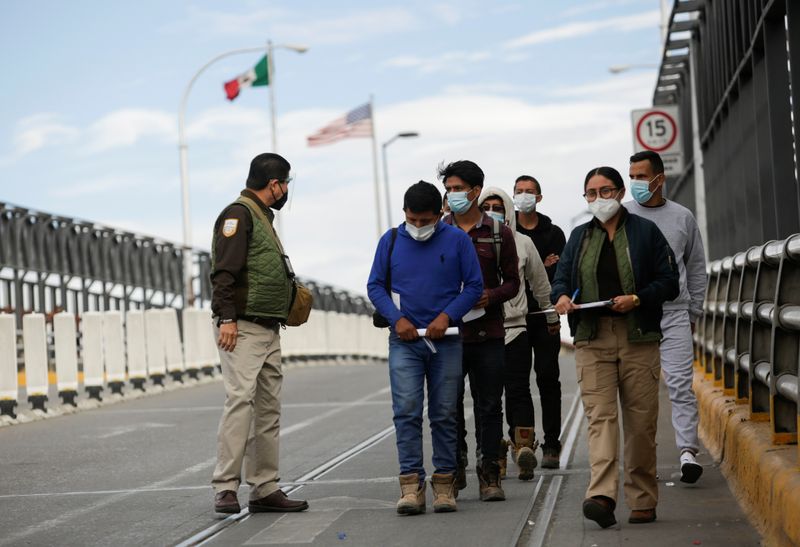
[
  {"x": 524, "y": 446},
  {"x": 642, "y": 516},
  {"x": 489, "y": 482},
  {"x": 444, "y": 500},
  {"x": 226, "y": 502},
  {"x": 412, "y": 495},
  {"x": 502, "y": 461}
]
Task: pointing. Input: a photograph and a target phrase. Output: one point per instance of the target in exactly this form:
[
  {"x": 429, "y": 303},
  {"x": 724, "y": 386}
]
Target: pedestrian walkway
[{"x": 138, "y": 472}]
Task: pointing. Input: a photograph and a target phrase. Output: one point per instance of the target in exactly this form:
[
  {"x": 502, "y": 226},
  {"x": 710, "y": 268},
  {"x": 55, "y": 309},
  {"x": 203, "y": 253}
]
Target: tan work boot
[
  {"x": 523, "y": 446},
  {"x": 489, "y": 482},
  {"x": 503, "y": 459},
  {"x": 444, "y": 500},
  {"x": 412, "y": 498}
]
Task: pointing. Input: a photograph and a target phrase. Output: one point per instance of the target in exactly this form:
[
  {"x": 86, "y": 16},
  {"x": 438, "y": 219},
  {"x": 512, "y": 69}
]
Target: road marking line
[
  {"x": 524, "y": 521},
  {"x": 568, "y": 445},
  {"x": 69, "y": 515},
  {"x": 218, "y": 408},
  {"x": 546, "y": 514}
]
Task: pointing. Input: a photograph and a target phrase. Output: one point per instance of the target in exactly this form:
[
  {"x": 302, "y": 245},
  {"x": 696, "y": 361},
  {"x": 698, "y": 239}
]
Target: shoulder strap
[
  {"x": 389, "y": 263},
  {"x": 256, "y": 209},
  {"x": 498, "y": 242}
]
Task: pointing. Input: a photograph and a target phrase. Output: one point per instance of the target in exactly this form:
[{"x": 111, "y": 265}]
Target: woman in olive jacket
[{"x": 622, "y": 259}]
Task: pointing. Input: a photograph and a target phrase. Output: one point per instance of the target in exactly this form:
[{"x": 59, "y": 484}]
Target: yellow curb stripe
[{"x": 764, "y": 477}]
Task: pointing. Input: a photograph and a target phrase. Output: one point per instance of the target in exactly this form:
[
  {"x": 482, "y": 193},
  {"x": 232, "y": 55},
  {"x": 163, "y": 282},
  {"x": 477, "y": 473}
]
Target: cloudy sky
[{"x": 88, "y": 112}]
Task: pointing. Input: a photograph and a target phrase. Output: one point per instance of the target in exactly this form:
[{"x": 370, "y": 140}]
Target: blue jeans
[{"x": 410, "y": 364}]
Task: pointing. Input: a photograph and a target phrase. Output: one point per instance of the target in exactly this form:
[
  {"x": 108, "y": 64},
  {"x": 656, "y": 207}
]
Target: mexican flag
[{"x": 258, "y": 75}]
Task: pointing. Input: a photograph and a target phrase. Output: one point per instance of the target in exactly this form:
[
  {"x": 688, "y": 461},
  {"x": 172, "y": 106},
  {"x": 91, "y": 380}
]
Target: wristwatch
[{"x": 636, "y": 301}]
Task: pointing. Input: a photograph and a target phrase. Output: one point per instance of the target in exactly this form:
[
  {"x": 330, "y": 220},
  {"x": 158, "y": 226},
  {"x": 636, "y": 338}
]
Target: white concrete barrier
[
  {"x": 315, "y": 338},
  {"x": 210, "y": 353},
  {"x": 137, "y": 348},
  {"x": 114, "y": 350},
  {"x": 154, "y": 335},
  {"x": 92, "y": 352},
  {"x": 173, "y": 347},
  {"x": 34, "y": 343},
  {"x": 9, "y": 384},
  {"x": 65, "y": 337},
  {"x": 192, "y": 346}
]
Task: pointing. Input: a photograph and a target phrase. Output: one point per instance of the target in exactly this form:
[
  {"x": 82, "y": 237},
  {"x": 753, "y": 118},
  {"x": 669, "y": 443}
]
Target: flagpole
[
  {"x": 272, "y": 116},
  {"x": 378, "y": 221},
  {"x": 188, "y": 290}
]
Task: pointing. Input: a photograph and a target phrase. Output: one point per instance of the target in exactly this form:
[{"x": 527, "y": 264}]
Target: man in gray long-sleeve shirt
[{"x": 677, "y": 325}]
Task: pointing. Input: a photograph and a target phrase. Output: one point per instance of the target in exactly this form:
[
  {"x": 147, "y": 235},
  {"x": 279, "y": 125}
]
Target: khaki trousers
[
  {"x": 607, "y": 366},
  {"x": 250, "y": 425}
]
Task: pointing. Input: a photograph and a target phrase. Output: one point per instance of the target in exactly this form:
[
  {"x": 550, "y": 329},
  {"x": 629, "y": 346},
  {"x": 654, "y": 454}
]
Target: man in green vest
[{"x": 252, "y": 291}]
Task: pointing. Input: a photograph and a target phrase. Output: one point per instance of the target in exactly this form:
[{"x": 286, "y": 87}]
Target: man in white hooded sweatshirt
[{"x": 517, "y": 372}]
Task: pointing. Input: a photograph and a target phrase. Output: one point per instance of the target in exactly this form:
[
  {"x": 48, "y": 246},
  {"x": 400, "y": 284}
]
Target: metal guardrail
[
  {"x": 748, "y": 339},
  {"x": 51, "y": 263}
]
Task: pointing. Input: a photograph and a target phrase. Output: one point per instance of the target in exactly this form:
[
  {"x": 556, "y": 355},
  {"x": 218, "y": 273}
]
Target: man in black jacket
[{"x": 544, "y": 339}]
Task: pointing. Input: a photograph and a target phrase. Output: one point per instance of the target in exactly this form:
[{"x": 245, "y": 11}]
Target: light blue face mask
[
  {"x": 458, "y": 202},
  {"x": 499, "y": 217},
  {"x": 641, "y": 190}
]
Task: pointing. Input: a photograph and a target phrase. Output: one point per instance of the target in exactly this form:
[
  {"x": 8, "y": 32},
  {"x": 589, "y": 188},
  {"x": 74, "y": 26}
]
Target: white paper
[
  {"x": 600, "y": 304},
  {"x": 473, "y": 314},
  {"x": 450, "y": 331}
]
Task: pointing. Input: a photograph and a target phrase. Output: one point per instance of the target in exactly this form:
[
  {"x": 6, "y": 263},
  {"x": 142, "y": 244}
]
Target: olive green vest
[
  {"x": 268, "y": 287},
  {"x": 589, "y": 255}
]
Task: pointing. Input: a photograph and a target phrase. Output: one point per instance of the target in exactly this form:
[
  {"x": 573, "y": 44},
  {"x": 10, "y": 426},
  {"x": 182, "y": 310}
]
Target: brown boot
[
  {"x": 524, "y": 446},
  {"x": 489, "y": 482},
  {"x": 443, "y": 485},
  {"x": 503, "y": 460},
  {"x": 412, "y": 498},
  {"x": 226, "y": 502}
]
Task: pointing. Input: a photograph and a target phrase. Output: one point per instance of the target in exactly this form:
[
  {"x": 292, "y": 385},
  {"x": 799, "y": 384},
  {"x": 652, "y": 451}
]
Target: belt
[{"x": 268, "y": 322}]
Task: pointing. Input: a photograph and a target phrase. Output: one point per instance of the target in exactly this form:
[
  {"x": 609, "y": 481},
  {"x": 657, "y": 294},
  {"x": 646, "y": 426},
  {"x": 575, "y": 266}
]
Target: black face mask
[{"x": 278, "y": 205}]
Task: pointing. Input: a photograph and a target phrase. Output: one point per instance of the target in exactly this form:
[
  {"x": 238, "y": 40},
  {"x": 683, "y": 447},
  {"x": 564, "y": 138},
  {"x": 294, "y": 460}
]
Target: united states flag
[{"x": 356, "y": 123}]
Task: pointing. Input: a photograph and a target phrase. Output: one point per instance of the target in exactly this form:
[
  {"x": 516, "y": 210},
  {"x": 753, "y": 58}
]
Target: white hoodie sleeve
[{"x": 536, "y": 276}]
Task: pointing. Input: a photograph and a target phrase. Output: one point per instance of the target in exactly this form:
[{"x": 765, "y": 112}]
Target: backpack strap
[
  {"x": 389, "y": 263},
  {"x": 497, "y": 242}
]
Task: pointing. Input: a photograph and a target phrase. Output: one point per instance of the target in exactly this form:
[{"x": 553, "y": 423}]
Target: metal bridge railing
[{"x": 748, "y": 339}]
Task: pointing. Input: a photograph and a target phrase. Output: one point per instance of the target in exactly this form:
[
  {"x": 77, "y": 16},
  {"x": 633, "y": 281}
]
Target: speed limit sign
[{"x": 658, "y": 129}]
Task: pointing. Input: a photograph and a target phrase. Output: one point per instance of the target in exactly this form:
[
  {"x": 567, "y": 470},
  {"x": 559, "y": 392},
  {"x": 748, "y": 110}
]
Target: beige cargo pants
[
  {"x": 610, "y": 367},
  {"x": 250, "y": 425}
]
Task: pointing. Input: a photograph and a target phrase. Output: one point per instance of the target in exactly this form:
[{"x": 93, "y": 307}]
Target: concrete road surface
[{"x": 137, "y": 473}]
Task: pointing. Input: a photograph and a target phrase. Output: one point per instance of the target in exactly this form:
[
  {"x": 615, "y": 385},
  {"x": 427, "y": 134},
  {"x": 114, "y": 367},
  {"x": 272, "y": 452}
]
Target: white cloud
[
  {"x": 625, "y": 23},
  {"x": 451, "y": 61},
  {"x": 128, "y": 126},
  {"x": 297, "y": 26},
  {"x": 105, "y": 186},
  {"x": 448, "y": 13},
  {"x": 41, "y": 130}
]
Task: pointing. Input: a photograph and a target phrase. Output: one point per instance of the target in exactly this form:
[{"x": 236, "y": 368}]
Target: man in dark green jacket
[
  {"x": 252, "y": 291},
  {"x": 625, "y": 261}
]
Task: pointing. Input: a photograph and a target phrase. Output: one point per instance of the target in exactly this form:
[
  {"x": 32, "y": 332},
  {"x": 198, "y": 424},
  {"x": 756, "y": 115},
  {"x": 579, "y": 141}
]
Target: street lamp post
[
  {"x": 183, "y": 149},
  {"x": 405, "y": 134}
]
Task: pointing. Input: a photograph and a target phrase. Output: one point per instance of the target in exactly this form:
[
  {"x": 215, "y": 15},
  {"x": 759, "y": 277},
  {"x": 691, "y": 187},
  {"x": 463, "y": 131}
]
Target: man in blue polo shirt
[{"x": 434, "y": 279}]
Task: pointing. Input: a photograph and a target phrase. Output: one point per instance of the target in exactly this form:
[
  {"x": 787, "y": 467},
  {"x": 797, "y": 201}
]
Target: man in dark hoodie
[{"x": 544, "y": 339}]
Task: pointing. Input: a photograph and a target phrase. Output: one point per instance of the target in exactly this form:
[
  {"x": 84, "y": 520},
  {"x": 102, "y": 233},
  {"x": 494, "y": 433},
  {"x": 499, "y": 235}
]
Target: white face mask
[
  {"x": 526, "y": 203},
  {"x": 421, "y": 234},
  {"x": 604, "y": 208}
]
